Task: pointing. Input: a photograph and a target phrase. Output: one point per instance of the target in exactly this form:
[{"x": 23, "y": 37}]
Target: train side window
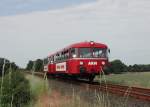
[
  {"x": 49, "y": 59},
  {"x": 55, "y": 57},
  {"x": 58, "y": 57},
  {"x": 62, "y": 55}
]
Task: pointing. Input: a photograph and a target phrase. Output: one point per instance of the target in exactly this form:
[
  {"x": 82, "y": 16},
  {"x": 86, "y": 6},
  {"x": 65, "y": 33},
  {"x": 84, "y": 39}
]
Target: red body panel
[
  {"x": 91, "y": 65},
  {"x": 51, "y": 68},
  {"x": 74, "y": 65}
]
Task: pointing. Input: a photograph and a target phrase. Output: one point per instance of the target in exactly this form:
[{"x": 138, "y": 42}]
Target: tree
[
  {"x": 38, "y": 65},
  {"x": 7, "y": 65},
  {"x": 30, "y": 65},
  {"x": 14, "y": 66},
  {"x": 116, "y": 66},
  {"x": 139, "y": 68}
]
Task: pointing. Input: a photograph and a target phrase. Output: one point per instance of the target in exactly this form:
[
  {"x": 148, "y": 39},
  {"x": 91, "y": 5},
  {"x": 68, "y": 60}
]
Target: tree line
[
  {"x": 115, "y": 66},
  {"x": 36, "y": 65},
  {"x": 5, "y": 65}
]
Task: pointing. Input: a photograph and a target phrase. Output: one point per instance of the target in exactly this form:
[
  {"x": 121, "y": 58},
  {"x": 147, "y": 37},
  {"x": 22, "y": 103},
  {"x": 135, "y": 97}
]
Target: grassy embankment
[
  {"x": 39, "y": 87},
  {"x": 141, "y": 79},
  {"x": 45, "y": 97}
]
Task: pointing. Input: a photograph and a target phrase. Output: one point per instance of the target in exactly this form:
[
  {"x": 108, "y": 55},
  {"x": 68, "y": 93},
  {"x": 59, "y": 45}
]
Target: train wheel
[
  {"x": 74, "y": 77},
  {"x": 91, "y": 78}
]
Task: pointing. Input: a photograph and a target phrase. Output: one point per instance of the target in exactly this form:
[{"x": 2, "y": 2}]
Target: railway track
[
  {"x": 138, "y": 93},
  {"x": 126, "y": 91}
]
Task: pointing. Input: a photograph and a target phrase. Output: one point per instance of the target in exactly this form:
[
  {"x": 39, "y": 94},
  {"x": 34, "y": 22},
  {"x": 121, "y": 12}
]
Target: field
[
  {"x": 52, "y": 93},
  {"x": 141, "y": 79},
  {"x": 44, "y": 96}
]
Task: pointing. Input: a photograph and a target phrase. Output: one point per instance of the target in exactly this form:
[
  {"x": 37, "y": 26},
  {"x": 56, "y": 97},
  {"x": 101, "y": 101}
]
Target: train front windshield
[{"x": 93, "y": 53}]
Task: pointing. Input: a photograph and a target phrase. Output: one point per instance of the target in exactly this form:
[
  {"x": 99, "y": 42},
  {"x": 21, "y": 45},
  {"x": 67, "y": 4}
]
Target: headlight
[
  {"x": 74, "y": 56},
  {"x": 103, "y": 63},
  {"x": 81, "y": 63}
]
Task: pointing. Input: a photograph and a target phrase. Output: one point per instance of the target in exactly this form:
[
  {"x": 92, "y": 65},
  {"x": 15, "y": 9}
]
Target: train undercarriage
[{"x": 85, "y": 76}]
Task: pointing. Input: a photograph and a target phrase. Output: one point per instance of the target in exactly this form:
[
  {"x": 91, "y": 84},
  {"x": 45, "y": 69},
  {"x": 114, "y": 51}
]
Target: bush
[
  {"x": 15, "y": 90},
  {"x": 116, "y": 66},
  {"x": 36, "y": 65},
  {"x": 7, "y": 66},
  {"x": 39, "y": 65},
  {"x": 30, "y": 65}
]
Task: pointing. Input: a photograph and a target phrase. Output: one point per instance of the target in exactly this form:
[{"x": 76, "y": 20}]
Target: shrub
[
  {"x": 30, "y": 65},
  {"x": 15, "y": 90},
  {"x": 38, "y": 65}
]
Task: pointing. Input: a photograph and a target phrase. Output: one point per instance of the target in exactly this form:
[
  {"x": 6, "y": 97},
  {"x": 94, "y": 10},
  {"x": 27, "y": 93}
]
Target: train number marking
[{"x": 92, "y": 63}]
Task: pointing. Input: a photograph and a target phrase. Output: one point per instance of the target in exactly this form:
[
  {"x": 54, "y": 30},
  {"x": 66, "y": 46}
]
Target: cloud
[{"x": 122, "y": 24}]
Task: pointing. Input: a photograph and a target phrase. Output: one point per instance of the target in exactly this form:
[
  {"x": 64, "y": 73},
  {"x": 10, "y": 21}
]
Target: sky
[
  {"x": 12, "y": 7},
  {"x": 31, "y": 29}
]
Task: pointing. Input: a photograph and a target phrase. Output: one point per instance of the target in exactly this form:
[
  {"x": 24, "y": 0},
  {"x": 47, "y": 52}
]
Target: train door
[{"x": 51, "y": 61}]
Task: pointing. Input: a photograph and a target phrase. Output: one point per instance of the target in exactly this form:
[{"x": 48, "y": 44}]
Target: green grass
[
  {"x": 131, "y": 79},
  {"x": 38, "y": 87}
]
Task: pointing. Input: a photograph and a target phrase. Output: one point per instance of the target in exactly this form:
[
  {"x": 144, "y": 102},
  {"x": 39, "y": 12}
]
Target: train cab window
[
  {"x": 66, "y": 54},
  {"x": 85, "y": 53},
  {"x": 74, "y": 52},
  {"x": 50, "y": 59},
  {"x": 99, "y": 53}
]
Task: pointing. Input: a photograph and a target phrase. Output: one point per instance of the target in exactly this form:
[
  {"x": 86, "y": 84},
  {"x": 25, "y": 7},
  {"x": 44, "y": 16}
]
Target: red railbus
[{"x": 80, "y": 60}]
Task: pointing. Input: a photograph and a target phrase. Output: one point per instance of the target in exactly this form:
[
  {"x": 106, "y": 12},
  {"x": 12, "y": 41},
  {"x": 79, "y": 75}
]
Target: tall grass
[
  {"x": 131, "y": 79},
  {"x": 74, "y": 97},
  {"x": 15, "y": 90},
  {"x": 38, "y": 87}
]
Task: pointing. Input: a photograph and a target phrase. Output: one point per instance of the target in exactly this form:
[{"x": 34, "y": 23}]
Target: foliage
[
  {"x": 15, "y": 90},
  {"x": 30, "y": 65},
  {"x": 139, "y": 68},
  {"x": 7, "y": 65},
  {"x": 35, "y": 65},
  {"x": 116, "y": 66},
  {"x": 38, "y": 65}
]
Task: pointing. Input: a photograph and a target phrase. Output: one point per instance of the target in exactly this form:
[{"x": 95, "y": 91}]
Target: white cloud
[{"x": 122, "y": 24}]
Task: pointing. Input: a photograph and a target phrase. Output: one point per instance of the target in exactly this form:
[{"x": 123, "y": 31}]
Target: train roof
[{"x": 85, "y": 44}]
